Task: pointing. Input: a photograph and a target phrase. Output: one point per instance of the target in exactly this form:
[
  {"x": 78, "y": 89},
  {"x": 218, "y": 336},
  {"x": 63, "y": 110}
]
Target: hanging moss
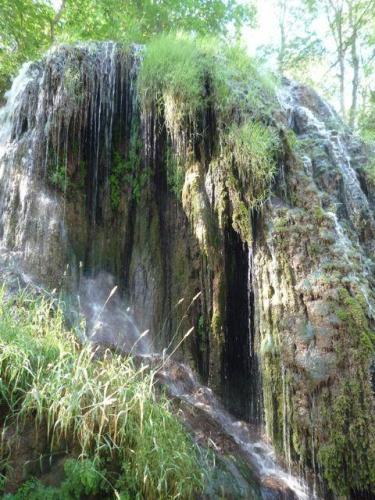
[
  {"x": 361, "y": 337},
  {"x": 347, "y": 457},
  {"x": 273, "y": 397},
  {"x": 116, "y": 179},
  {"x": 253, "y": 148},
  {"x": 184, "y": 77},
  {"x": 127, "y": 171},
  {"x": 73, "y": 85},
  {"x": 58, "y": 178},
  {"x": 171, "y": 78},
  {"x": 175, "y": 173}
]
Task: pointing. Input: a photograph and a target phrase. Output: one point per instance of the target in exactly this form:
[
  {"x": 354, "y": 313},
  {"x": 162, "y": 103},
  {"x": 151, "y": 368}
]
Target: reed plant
[{"x": 100, "y": 407}]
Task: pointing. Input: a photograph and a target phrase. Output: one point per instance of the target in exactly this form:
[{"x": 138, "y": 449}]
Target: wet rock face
[
  {"x": 284, "y": 323},
  {"x": 314, "y": 274}
]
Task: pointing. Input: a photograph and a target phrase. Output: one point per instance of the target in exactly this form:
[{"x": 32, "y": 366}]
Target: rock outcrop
[{"x": 92, "y": 180}]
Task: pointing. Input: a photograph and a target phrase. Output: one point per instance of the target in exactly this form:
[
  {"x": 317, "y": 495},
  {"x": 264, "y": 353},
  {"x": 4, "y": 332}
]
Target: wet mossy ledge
[
  {"x": 316, "y": 316},
  {"x": 182, "y": 168}
]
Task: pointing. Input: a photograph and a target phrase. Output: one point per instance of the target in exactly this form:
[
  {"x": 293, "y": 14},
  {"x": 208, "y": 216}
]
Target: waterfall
[
  {"x": 58, "y": 120},
  {"x": 30, "y": 216},
  {"x": 68, "y": 122}
]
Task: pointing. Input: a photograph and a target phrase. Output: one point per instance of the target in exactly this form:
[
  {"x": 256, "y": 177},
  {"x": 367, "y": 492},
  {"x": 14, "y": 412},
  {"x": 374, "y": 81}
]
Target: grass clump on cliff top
[
  {"x": 172, "y": 66},
  {"x": 209, "y": 93},
  {"x": 242, "y": 85},
  {"x": 185, "y": 74},
  {"x": 100, "y": 409}
]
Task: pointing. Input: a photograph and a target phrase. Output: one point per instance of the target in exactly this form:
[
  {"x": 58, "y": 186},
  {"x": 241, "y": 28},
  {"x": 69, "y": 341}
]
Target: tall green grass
[
  {"x": 252, "y": 146},
  {"x": 103, "y": 408},
  {"x": 195, "y": 71},
  {"x": 192, "y": 80},
  {"x": 173, "y": 68}
]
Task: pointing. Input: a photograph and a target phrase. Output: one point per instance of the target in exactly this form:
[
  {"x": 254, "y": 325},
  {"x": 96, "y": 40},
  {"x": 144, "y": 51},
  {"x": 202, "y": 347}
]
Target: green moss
[
  {"x": 241, "y": 215},
  {"x": 253, "y": 148},
  {"x": 172, "y": 74},
  {"x": 73, "y": 84},
  {"x": 347, "y": 454},
  {"x": 291, "y": 139},
  {"x": 65, "y": 181},
  {"x": 347, "y": 457},
  {"x": 216, "y": 324},
  {"x": 58, "y": 177},
  {"x": 128, "y": 171},
  {"x": 273, "y": 395},
  {"x": 360, "y": 338},
  {"x": 183, "y": 75},
  {"x": 268, "y": 346},
  {"x": 369, "y": 171},
  {"x": 241, "y": 221},
  {"x": 175, "y": 173},
  {"x": 116, "y": 179},
  {"x": 184, "y": 80},
  {"x": 314, "y": 248},
  {"x": 241, "y": 83},
  {"x": 319, "y": 214},
  {"x": 328, "y": 236},
  {"x": 305, "y": 146},
  {"x": 282, "y": 222}
]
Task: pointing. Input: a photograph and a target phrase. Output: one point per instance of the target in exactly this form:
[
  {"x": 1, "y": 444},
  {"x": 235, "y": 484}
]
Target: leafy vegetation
[
  {"x": 101, "y": 408},
  {"x": 183, "y": 78},
  {"x": 327, "y": 44},
  {"x": 127, "y": 173},
  {"x": 24, "y": 33},
  {"x": 140, "y": 20},
  {"x": 186, "y": 73},
  {"x": 28, "y": 27},
  {"x": 83, "y": 477},
  {"x": 253, "y": 147},
  {"x": 242, "y": 83},
  {"x": 175, "y": 173},
  {"x": 173, "y": 70},
  {"x": 59, "y": 178}
]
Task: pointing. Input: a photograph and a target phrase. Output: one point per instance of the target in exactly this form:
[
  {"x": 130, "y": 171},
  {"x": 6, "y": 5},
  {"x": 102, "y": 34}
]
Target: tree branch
[{"x": 56, "y": 19}]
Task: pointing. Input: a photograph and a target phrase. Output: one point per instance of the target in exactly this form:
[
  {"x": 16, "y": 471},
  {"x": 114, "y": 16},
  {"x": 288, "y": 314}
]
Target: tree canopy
[
  {"x": 329, "y": 44},
  {"x": 24, "y": 32},
  {"x": 27, "y": 27}
]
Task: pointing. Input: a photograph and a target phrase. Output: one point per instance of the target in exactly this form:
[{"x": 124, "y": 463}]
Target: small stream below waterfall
[{"x": 274, "y": 481}]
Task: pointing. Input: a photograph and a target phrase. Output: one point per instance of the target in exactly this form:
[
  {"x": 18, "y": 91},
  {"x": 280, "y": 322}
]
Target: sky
[{"x": 266, "y": 30}]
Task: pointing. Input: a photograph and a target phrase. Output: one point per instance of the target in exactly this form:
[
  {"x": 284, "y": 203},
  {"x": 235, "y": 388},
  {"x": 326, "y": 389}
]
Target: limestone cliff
[{"x": 95, "y": 178}]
